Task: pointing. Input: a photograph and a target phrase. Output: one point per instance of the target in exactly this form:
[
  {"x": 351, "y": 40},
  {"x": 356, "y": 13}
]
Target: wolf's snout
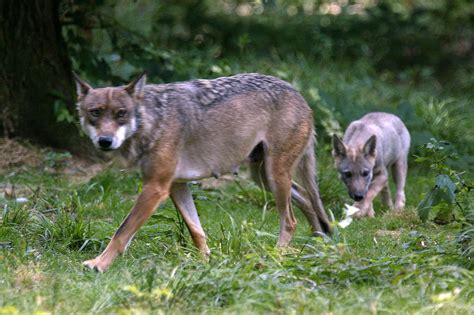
[
  {"x": 358, "y": 196},
  {"x": 105, "y": 142}
]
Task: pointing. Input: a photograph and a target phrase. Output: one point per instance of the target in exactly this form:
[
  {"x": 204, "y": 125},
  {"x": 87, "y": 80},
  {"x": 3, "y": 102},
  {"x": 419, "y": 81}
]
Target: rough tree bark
[{"x": 35, "y": 71}]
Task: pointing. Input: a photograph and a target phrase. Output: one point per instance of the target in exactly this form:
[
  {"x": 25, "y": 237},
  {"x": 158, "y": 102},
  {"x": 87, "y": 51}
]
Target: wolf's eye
[
  {"x": 95, "y": 112},
  {"x": 121, "y": 113},
  {"x": 347, "y": 174},
  {"x": 365, "y": 173}
]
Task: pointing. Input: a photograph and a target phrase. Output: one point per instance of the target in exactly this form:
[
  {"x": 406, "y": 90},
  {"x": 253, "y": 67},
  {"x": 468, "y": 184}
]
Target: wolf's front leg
[
  {"x": 183, "y": 201},
  {"x": 377, "y": 184},
  {"x": 152, "y": 195},
  {"x": 365, "y": 209}
]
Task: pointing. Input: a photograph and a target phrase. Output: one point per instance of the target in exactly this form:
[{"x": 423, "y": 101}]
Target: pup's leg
[
  {"x": 399, "y": 171},
  {"x": 152, "y": 195},
  {"x": 378, "y": 183},
  {"x": 366, "y": 209},
  {"x": 183, "y": 201},
  {"x": 387, "y": 197}
]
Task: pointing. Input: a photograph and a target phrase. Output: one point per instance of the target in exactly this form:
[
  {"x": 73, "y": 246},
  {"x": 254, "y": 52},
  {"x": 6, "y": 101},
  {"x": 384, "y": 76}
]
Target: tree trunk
[{"x": 35, "y": 72}]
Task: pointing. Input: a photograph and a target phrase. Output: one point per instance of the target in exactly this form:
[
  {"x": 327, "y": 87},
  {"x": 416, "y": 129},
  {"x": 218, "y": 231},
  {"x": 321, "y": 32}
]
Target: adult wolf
[
  {"x": 371, "y": 146},
  {"x": 187, "y": 131}
]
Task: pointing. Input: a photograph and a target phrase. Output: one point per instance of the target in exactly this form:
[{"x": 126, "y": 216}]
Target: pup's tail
[{"x": 307, "y": 171}]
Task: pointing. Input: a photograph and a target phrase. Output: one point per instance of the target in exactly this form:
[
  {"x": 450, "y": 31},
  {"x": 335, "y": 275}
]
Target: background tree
[{"x": 35, "y": 73}]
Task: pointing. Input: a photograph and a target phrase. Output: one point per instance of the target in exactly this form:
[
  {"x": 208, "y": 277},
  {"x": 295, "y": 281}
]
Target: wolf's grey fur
[
  {"x": 371, "y": 147},
  {"x": 209, "y": 115},
  {"x": 191, "y": 130}
]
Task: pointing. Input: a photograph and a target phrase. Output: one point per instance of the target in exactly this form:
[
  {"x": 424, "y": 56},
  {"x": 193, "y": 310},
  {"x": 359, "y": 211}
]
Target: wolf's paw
[
  {"x": 400, "y": 201},
  {"x": 371, "y": 213},
  {"x": 205, "y": 254},
  {"x": 399, "y": 205},
  {"x": 96, "y": 264},
  {"x": 359, "y": 215},
  {"x": 365, "y": 210}
]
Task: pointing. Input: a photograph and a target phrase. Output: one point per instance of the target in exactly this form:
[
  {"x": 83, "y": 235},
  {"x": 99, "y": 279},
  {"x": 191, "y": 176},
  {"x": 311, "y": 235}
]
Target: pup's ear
[
  {"x": 370, "y": 147},
  {"x": 338, "y": 147},
  {"x": 82, "y": 86},
  {"x": 135, "y": 88}
]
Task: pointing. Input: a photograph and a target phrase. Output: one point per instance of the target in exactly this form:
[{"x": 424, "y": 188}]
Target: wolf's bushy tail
[{"x": 307, "y": 171}]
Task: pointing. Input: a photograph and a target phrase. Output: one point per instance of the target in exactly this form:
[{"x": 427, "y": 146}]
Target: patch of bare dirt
[
  {"x": 14, "y": 154},
  {"x": 79, "y": 170},
  {"x": 243, "y": 175},
  {"x": 408, "y": 215},
  {"x": 214, "y": 183}
]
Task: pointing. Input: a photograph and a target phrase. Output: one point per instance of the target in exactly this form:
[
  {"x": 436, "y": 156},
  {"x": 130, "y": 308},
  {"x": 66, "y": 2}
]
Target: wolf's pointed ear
[
  {"x": 338, "y": 147},
  {"x": 82, "y": 86},
  {"x": 135, "y": 88},
  {"x": 370, "y": 147}
]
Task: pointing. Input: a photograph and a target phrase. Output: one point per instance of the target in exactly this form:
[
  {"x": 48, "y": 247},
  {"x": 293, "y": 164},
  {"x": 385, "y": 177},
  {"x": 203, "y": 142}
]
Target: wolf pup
[
  {"x": 370, "y": 147},
  {"x": 187, "y": 131}
]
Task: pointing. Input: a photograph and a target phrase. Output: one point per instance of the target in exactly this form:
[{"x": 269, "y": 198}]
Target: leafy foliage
[
  {"x": 444, "y": 190},
  {"x": 371, "y": 41},
  {"x": 452, "y": 190},
  {"x": 448, "y": 182},
  {"x": 108, "y": 42}
]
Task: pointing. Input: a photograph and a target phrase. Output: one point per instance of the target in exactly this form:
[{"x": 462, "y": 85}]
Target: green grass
[{"x": 391, "y": 264}]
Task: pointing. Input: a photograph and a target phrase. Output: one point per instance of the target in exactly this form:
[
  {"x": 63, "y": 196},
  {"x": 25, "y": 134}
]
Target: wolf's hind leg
[
  {"x": 300, "y": 197},
  {"x": 313, "y": 207},
  {"x": 280, "y": 183},
  {"x": 298, "y": 194},
  {"x": 183, "y": 201},
  {"x": 399, "y": 172}
]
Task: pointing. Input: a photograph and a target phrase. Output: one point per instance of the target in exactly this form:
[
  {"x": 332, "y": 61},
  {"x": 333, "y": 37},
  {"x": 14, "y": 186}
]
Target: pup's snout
[
  {"x": 105, "y": 142},
  {"x": 358, "y": 196}
]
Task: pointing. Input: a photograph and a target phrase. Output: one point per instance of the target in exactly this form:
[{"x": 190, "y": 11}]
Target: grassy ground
[{"x": 390, "y": 264}]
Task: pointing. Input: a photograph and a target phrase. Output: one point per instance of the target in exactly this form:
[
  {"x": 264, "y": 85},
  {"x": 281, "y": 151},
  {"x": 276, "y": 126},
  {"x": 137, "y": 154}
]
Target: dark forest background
[{"x": 425, "y": 45}]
